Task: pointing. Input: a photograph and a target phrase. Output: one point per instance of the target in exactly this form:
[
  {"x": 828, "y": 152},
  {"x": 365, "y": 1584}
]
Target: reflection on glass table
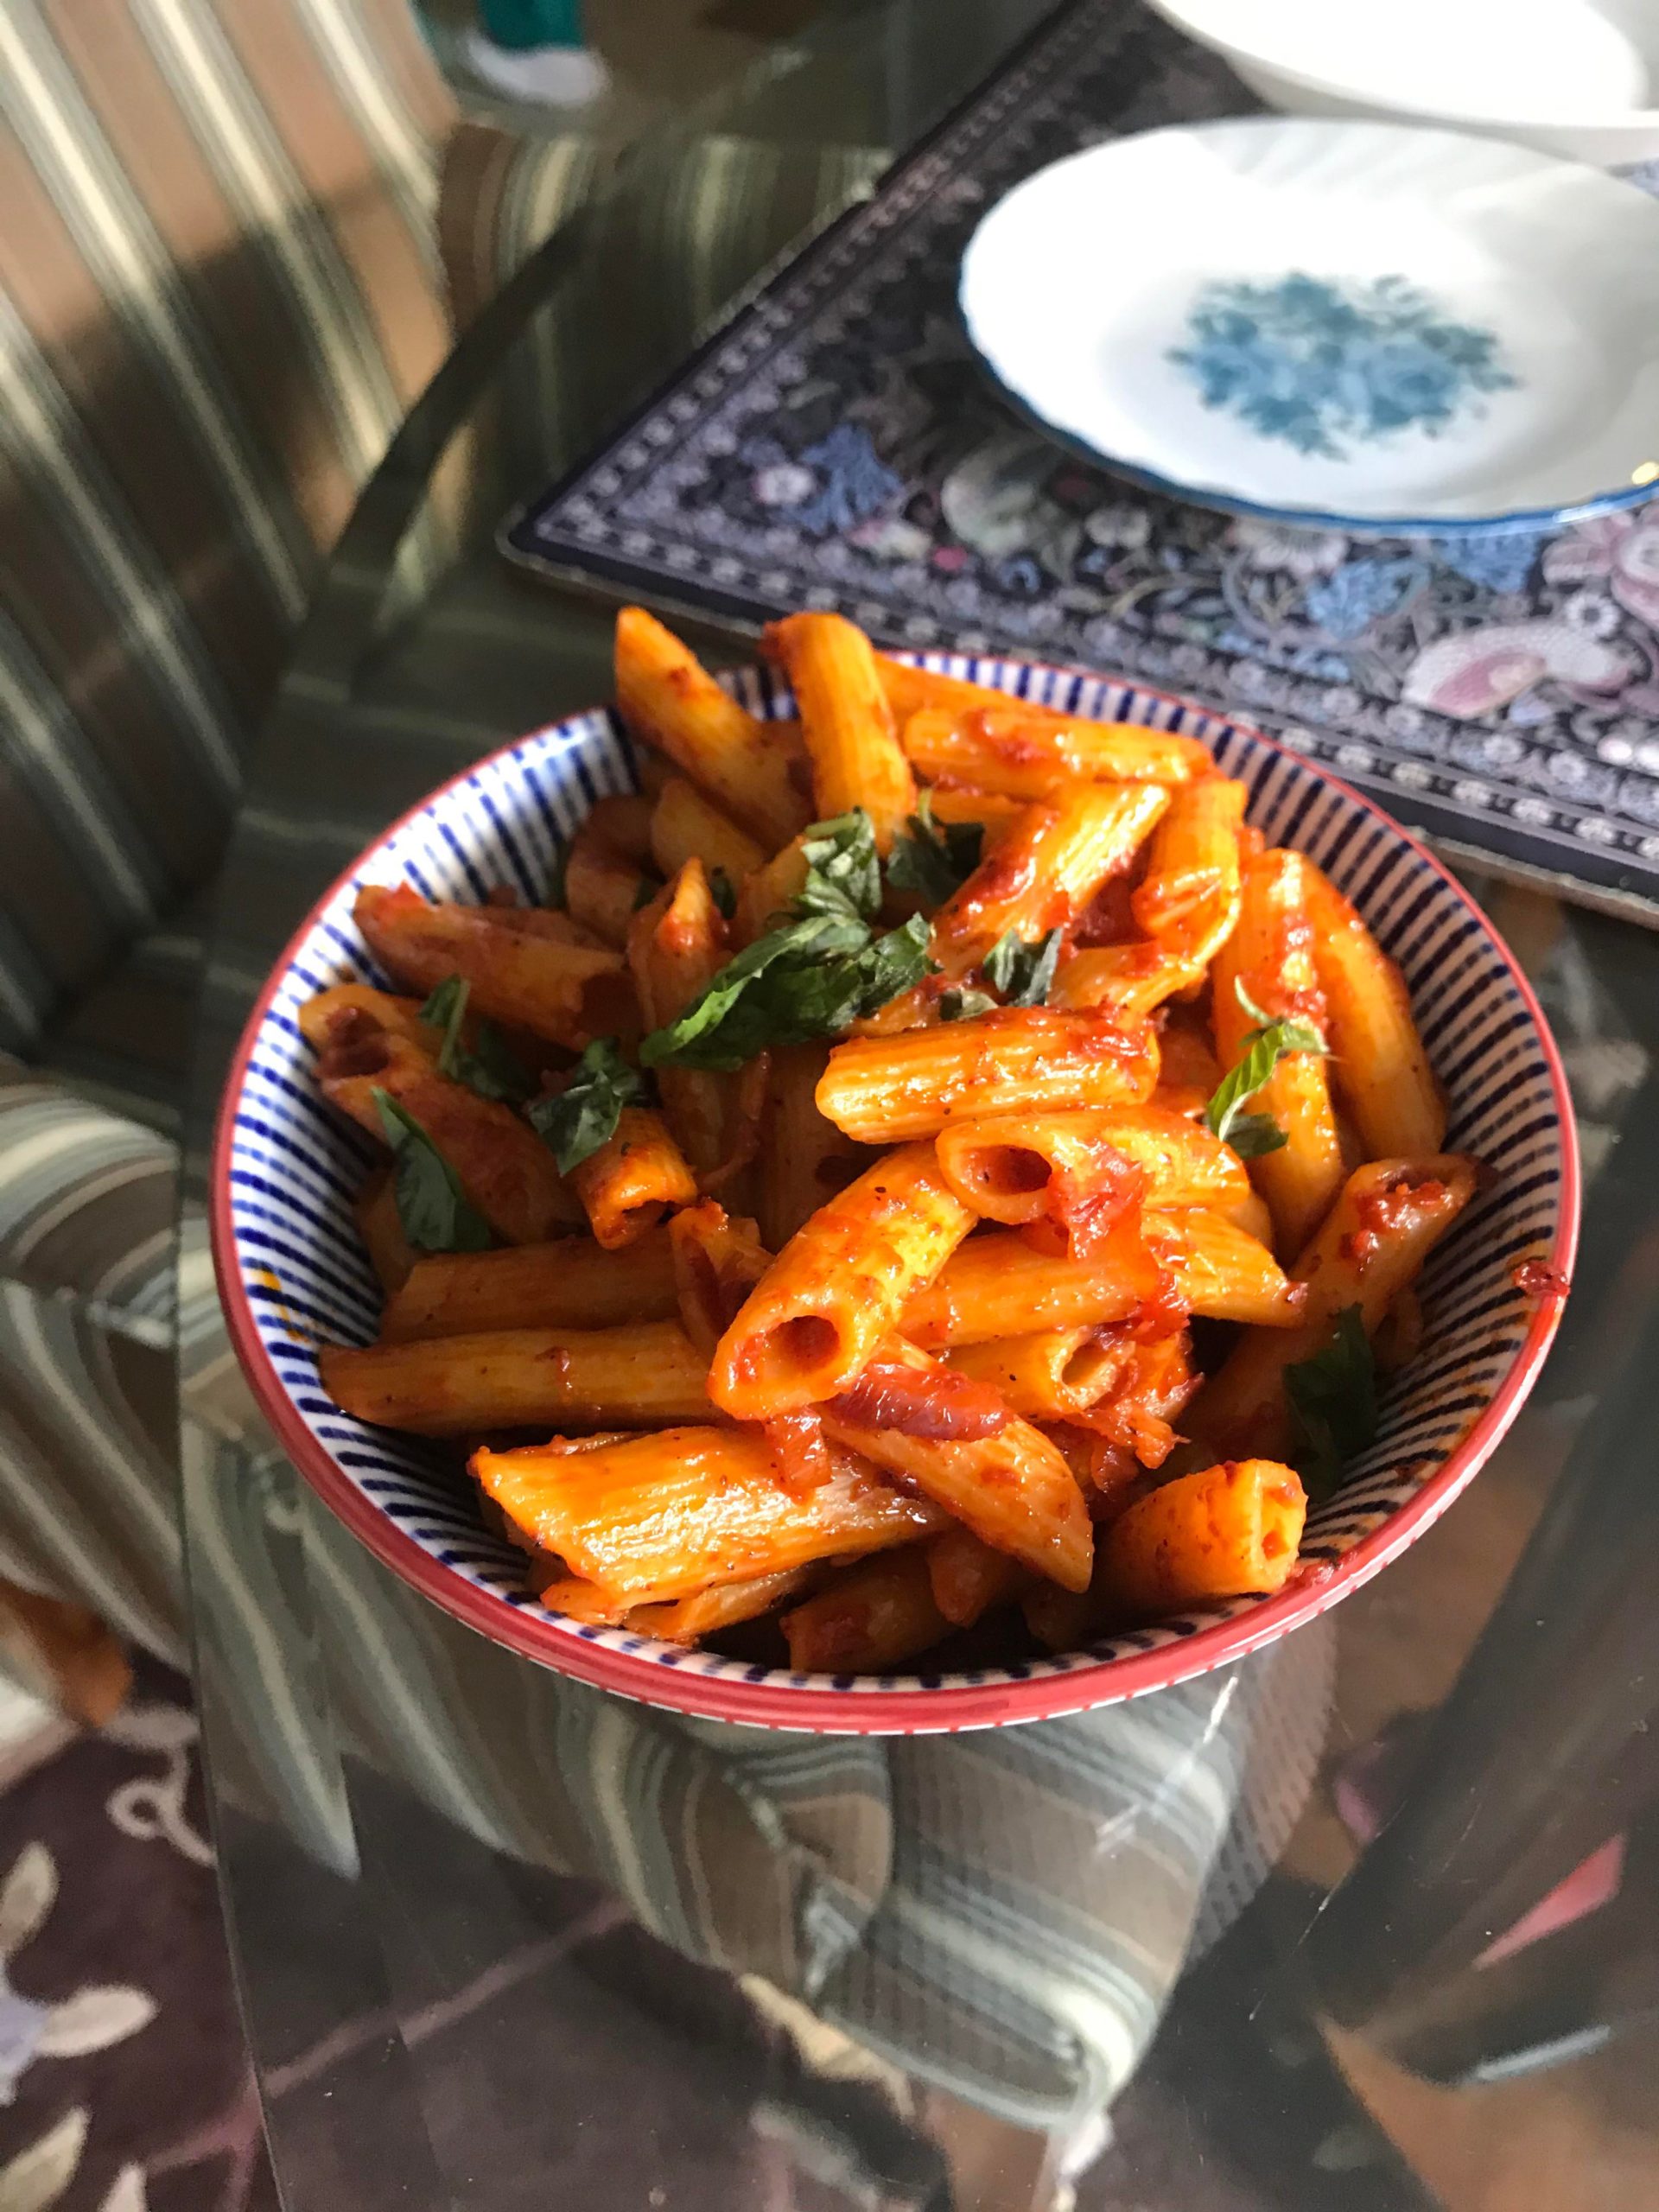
[{"x": 1356, "y": 1923}]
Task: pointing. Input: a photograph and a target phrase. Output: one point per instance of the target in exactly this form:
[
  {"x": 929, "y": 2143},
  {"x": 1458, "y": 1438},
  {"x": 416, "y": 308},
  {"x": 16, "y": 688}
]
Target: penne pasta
[
  {"x": 912, "y": 691},
  {"x": 1030, "y": 754},
  {"x": 627, "y": 1186},
  {"x": 1047, "y": 1374},
  {"x": 391, "y": 1254},
  {"x": 993, "y": 810},
  {"x": 1270, "y": 953},
  {"x": 1227, "y": 1531},
  {"x": 686, "y": 826},
  {"x": 660, "y": 1518},
  {"x": 1130, "y": 981},
  {"x": 573, "y": 1282},
  {"x": 804, "y": 1158},
  {"x": 507, "y": 1171},
  {"x": 605, "y": 880},
  {"x": 722, "y": 1606},
  {"x": 332, "y": 1010},
  {"x": 1008, "y": 1484},
  {"x": 1020, "y": 1167},
  {"x": 1000, "y": 1286},
  {"x": 887, "y": 1089},
  {"x": 677, "y": 945},
  {"x": 1045, "y": 869},
  {"x": 850, "y": 739},
  {"x": 837, "y": 1288},
  {"x": 969, "y": 1579},
  {"x": 561, "y": 992},
  {"x": 755, "y": 771},
  {"x": 1390, "y": 1216},
  {"x": 1378, "y": 1064},
  {"x": 868, "y": 1620},
  {"x": 1188, "y": 901},
  {"x": 716, "y": 1263},
  {"x": 765, "y": 898},
  {"x": 626, "y": 1377}
]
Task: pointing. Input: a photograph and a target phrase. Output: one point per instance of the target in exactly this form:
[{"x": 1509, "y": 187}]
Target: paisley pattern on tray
[
  {"x": 1327, "y": 367},
  {"x": 291, "y": 1261},
  {"x": 838, "y": 446}
]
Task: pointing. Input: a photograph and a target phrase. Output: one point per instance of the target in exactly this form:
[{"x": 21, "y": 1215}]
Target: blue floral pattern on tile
[{"x": 1314, "y": 363}]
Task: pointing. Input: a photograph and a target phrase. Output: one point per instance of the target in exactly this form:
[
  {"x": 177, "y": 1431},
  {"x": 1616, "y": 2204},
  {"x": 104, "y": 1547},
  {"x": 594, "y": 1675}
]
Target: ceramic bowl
[
  {"x": 1354, "y": 325},
  {"x": 1576, "y": 78},
  {"x": 291, "y": 1270}
]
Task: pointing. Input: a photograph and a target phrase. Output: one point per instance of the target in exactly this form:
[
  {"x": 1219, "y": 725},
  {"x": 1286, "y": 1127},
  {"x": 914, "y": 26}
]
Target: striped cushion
[{"x": 198, "y": 192}]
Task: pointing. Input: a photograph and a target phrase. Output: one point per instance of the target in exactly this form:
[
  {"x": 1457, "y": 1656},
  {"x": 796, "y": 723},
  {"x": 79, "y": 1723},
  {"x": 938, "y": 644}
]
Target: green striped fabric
[{"x": 197, "y": 192}]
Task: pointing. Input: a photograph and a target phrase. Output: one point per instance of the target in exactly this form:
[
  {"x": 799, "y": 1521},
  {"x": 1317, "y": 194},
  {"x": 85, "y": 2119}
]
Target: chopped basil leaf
[
  {"x": 1023, "y": 972},
  {"x": 437, "y": 1214},
  {"x": 962, "y": 1002},
  {"x": 573, "y": 1123},
  {"x": 446, "y": 1009},
  {"x": 807, "y": 979},
  {"x": 1333, "y": 1404},
  {"x": 1251, "y": 1134},
  {"x": 490, "y": 1067},
  {"x": 1264, "y": 1048},
  {"x": 844, "y": 872},
  {"x": 719, "y": 885},
  {"x": 936, "y": 858}
]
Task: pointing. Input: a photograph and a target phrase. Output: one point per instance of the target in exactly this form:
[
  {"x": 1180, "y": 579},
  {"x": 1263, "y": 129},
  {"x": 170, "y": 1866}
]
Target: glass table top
[{"x": 1365, "y": 1922}]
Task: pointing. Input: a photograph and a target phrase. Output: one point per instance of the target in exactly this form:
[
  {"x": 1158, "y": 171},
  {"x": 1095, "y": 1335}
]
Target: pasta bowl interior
[{"x": 294, "y": 1188}]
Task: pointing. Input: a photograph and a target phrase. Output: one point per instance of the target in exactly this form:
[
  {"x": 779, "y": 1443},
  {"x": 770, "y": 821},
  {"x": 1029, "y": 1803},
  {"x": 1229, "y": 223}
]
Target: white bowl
[
  {"x": 1358, "y": 326},
  {"x": 1575, "y": 78}
]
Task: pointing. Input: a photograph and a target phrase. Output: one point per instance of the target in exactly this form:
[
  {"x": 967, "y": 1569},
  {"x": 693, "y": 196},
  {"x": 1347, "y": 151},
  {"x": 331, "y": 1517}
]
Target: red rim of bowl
[{"x": 814, "y": 1704}]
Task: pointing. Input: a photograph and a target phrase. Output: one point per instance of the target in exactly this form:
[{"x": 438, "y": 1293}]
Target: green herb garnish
[
  {"x": 489, "y": 1066},
  {"x": 437, "y": 1214},
  {"x": 573, "y": 1123},
  {"x": 1251, "y": 1134},
  {"x": 844, "y": 871},
  {"x": 1332, "y": 1404},
  {"x": 934, "y": 859},
  {"x": 1023, "y": 972},
  {"x": 962, "y": 1002}
]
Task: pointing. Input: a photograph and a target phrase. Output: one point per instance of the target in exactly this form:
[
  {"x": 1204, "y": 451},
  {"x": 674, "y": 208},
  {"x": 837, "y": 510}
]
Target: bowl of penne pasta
[{"x": 888, "y": 1194}]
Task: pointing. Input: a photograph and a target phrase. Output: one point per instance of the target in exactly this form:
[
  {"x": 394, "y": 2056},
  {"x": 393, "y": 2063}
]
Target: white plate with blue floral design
[{"x": 1364, "y": 325}]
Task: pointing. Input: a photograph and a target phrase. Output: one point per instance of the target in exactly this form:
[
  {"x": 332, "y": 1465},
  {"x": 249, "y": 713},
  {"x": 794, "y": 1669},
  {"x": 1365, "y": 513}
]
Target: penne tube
[
  {"x": 1390, "y": 1216},
  {"x": 320, "y": 1017},
  {"x": 1020, "y": 1167},
  {"x": 1045, "y": 868},
  {"x": 657, "y": 1518},
  {"x": 1378, "y": 1064},
  {"x": 686, "y": 826},
  {"x": 561, "y": 992},
  {"x": 867, "y": 1621},
  {"x": 502, "y": 1165},
  {"x": 837, "y": 1288},
  {"x": 1193, "y": 1262},
  {"x": 804, "y": 1158},
  {"x": 627, "y": 1186},
  {"x": 573, "y": 1600},
  {"x": 1130, "y": 981},
  {"x": 969, "y": 1579},
  {"x": 1148, "y": 1386},
  {"x": 1047, "y": 1374},
  {"x": 755, "y": 771},
  {"x": 1271, "y": 953},
  {"x": 716, "y": 1263},
  {"x": 850, "y": 738},
  {"x": 379, "y": 1225},
  {"x": 523, "y": 1378},
  {"x": 959, "y": 1446},
  {"x": 1059, "y": 1620},
  {"x": 1030, "y": 754},
  {"x": 993, "y": 810},
  {"x": 886, "y": 1090},
  {"x": 1227, "y": 1531},
  {"x": 571, "y": 1283},
  {"x": 764, "y": 901},
  {"x": 541, "y": 921},
  {"x": 724, "y": 1605},
  {"x": 912, "y": 691},
  {"x": 605, "y": 880},
  {"x": 677, "y": 945},
  {"x": 1188, "y": 901}
]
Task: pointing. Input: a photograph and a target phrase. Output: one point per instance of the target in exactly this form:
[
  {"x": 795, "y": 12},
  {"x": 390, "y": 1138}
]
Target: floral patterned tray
[{"x": 835, "y": 445}]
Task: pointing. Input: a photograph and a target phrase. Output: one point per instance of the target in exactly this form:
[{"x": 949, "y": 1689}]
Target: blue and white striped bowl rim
[{"x": 292, "y": 1271}]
